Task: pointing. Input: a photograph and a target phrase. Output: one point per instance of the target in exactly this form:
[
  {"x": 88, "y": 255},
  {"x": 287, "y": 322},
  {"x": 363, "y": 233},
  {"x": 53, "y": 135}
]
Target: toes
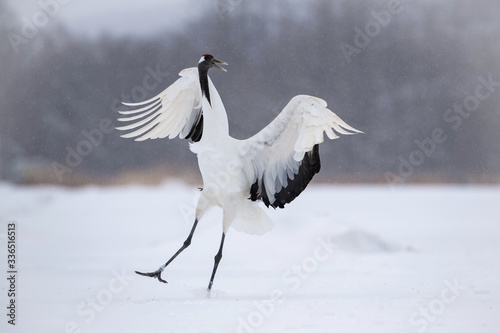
[
  {"x": 156, "y": 274},
  {"x": 141, "y": 273}
]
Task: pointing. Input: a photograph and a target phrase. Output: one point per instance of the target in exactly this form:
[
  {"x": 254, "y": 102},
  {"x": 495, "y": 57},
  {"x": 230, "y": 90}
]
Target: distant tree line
[{"x": 407, "y": 75}]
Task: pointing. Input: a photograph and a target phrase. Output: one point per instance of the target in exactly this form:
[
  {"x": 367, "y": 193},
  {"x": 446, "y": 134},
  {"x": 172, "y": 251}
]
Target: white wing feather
[
  {"x": 171, "y": 113},
  {"x": 274, "y": 155}
]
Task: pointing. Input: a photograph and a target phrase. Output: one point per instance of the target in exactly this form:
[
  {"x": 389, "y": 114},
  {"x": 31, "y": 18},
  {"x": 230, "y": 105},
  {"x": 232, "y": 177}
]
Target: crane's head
[{"x": 208, "y": 61}]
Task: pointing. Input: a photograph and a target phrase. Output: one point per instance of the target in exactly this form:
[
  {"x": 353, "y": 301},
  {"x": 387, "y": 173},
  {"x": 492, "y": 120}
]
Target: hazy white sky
[{"x": 135, "y": 17}]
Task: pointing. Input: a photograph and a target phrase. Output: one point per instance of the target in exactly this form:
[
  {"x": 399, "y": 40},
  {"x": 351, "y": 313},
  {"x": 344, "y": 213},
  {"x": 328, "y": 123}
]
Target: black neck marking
[{"x": 203, "y": 68}]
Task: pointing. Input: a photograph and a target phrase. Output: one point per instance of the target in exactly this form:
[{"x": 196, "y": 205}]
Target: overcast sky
[{"x": 137, "y": 17}]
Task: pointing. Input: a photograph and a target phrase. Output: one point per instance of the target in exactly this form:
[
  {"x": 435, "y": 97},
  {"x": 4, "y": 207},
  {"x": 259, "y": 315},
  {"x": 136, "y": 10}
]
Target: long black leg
[
  {"x": 217, "y": 259},
  {"x": 187, "y": 242}
]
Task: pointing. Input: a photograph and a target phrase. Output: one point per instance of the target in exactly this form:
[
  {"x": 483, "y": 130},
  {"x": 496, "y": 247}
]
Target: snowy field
[{"x": 339, "y": 259}]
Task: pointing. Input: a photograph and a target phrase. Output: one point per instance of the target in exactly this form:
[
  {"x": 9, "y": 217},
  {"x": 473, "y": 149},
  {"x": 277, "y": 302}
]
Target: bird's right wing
[
  {"x": 176, "y": 111},
  {"x": 281, "y": 160}
]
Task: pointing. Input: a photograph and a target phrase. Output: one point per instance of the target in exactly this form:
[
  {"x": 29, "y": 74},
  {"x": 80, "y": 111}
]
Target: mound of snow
[{"x": 353, "y": 240}]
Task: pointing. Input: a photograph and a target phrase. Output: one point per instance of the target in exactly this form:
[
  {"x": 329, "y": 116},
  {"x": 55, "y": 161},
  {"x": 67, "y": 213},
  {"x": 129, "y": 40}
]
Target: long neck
[
  {"x": 203, "y": 73},
  {"x": 215, "y": 125}
]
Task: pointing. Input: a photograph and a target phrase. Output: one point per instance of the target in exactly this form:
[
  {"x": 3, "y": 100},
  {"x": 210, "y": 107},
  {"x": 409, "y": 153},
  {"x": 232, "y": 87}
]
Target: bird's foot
[
  {"x": 209, "y": 289},
  {"x": 155, "y": 274}
]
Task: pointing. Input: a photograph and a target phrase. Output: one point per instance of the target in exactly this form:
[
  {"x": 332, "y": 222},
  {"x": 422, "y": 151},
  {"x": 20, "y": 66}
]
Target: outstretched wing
[
  {"x": 176, "y": 111},
  {"x": 282, "y": 159}
]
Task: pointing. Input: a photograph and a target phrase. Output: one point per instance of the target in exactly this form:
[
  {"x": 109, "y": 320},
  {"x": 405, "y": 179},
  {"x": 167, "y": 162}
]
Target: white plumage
[
  {"x": 274, "y": 165},
  {"x": 173, "y": 112}
]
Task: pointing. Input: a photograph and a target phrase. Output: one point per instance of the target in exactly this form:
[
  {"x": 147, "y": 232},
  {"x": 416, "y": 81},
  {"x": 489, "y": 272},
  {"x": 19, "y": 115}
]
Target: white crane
[{"x": 273, "y": 166}]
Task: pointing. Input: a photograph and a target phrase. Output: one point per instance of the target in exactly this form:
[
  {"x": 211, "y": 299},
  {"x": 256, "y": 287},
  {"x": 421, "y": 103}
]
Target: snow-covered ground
[{"x": 339, "y": 259}]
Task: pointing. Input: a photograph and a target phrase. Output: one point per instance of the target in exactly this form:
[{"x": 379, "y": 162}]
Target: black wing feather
[
  {"x": 197, "y": 130},
  {"x": 310, "y": 165}
]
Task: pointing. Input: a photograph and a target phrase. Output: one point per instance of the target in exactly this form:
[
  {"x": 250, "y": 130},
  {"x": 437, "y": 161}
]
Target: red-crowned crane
[{"x": 273, "y": 166}]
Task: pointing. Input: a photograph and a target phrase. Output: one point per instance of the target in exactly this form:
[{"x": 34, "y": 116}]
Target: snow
[{"x": 339, "y": 258}]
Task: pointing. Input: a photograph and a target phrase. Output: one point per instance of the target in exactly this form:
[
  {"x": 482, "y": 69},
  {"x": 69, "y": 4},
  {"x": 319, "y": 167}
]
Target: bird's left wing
[
  {"x": 176, "y": 111},
  {"x": 282, "y": 159}
]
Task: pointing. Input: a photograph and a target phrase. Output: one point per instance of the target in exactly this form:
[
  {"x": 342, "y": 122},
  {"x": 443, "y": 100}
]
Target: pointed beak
[{"x": 215, "y": 63}]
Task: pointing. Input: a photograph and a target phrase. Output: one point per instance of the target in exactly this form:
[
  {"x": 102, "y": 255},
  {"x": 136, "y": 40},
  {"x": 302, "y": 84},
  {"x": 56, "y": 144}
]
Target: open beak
[{"x": 215, "y": 62}]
